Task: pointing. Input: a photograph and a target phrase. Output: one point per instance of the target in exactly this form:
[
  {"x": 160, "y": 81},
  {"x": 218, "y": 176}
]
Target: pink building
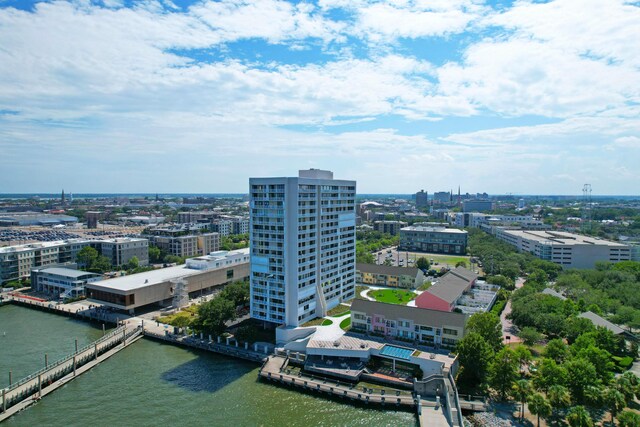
[{"x": 448, "y": 289}]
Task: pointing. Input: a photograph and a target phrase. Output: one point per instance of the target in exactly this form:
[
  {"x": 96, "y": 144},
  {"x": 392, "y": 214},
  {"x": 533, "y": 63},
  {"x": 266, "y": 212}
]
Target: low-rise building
[
  {"x": 477, "y": 205},
  {"x": 458, "y": 290},
  {"x": 429, "y": 327},
  {"x": 566, "y": 249},
  {"x": 188, "y": 246},
  {"x": 386, "y": 275},
  {"x": 433, "y": 239},
  {"x": 62, "y": 282},
  {"x": 389, "y": 227},
  {"x": 158, "y": 287}
]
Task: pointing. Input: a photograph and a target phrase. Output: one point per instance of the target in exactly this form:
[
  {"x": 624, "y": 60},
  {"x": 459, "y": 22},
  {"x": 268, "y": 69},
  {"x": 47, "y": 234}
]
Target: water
[{"x": 151, "y": 384}]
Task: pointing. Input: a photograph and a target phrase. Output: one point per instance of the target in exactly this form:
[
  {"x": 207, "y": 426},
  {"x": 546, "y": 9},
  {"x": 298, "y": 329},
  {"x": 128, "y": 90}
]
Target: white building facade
[{"x": 303, "y": 244}]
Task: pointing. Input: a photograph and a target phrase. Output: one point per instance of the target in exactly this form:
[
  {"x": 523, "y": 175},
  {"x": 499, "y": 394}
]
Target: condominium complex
[
  {"x": 17, "y": 261},
  {"x": 188, "y": 246},
  {"x": 387, "y": 275},
  {"x": 427, "y": 327},
  {"x": 302, "y": 234},
  {"x": 433, "y": 239},
  {"x": 389, "y": 227},
  {"x": 567, "y": 249}
]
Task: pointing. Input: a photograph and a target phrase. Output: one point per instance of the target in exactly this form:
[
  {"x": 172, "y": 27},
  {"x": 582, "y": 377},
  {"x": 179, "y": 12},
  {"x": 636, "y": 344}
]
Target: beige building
[
  {"x": 157, "y": 287},
  {"x": 188, "y": 246}
]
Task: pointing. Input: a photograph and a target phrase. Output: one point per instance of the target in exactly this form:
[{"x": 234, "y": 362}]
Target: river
[{"x": 152, "y": 384}]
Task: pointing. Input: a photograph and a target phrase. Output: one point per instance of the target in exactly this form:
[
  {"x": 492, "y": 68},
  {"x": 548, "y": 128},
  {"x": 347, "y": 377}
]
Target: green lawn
[
  {"x": 393, "y": 296},
  {"x": 339, "y": 310},
  {"x": 450, "y": 260},
  {"x": 345, "y": 324},
  {"x": 327, "y": 322}
]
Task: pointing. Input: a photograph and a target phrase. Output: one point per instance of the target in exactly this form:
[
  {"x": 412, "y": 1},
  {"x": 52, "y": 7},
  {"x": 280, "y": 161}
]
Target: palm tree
[
  {"x": 628, "y": 419},
  {"x": 539, "y": 406},
  {"x": 578, "y": 416},
  {"x": 559, "y": 397},
  {"x": 521, "y": 391},
  {"x": 614, "y": 401}
]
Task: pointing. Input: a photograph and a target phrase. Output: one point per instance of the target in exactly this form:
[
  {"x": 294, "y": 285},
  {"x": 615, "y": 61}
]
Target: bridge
[{"x": 29, "y": 390}]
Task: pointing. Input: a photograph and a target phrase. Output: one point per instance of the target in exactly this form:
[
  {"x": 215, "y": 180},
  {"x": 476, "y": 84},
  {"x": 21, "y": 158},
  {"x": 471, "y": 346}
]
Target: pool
[{"x": 397, "y": 352}]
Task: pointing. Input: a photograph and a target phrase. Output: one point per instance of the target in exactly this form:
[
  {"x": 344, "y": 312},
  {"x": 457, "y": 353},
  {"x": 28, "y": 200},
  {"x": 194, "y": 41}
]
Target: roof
[
  {"x": 453, "y": 284},
  {"x": 549, "y": 291},
  {"x": 147, "y": 278},
  {"x": 420, "y": 316},
  {"x": 386, "y": 269},
  {"x": 66, "y": 272},
  {"x": 561, "y": 238},
  {"x": 433, "y": 229},
  {"x": 600, "y": 321}
]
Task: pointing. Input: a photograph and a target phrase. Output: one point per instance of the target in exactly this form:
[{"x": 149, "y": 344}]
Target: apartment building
[
  {"x": 428, "y": 327},
  {"x": 567, "y": 249},
  {"x": 433, "y": 239},
  {"x": 17, "y": 261},
  {"x": 302, "y": 240},
  {"x": 389, "y": 227},
  {"x": 189, "y": 245},
  {"x": 387, "y": 275}
]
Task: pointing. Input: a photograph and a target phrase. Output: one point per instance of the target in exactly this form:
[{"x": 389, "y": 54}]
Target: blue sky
[{"x": 158, "y": 96}]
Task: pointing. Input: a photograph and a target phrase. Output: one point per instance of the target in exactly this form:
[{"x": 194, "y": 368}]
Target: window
[
  {"x": 449, "y": 331},
  {"x": 230, "y": 273}
]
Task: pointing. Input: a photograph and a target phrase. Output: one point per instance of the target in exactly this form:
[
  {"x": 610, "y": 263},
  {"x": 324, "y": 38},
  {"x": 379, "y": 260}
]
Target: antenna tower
[{"x": 587, "y": 206}]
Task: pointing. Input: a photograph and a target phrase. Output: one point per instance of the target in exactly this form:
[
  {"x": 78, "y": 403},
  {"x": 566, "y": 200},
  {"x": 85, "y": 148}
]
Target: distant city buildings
[
  {"x": 433, "y": 239},
  {"x": 92, "y": 218},
  {"x": 35, "y": 218},
  {"x": 442, "y": 197},
  {"x": 422, "y": 199},
  {"x": 477, "y": 205},
  {"x": 566, "y": 249},
  {"x": 302, "y": 239}
]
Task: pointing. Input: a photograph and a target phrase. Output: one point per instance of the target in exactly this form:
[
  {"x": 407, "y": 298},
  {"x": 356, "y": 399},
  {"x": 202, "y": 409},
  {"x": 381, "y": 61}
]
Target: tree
[
  {"x": 488, "y": 326},
  {"x": 523, "y": 356},
  {"x": 556, "y": 350},
  {"x": 578, "y": 416},
  {"x": 422, "y": 263},
  {"x": 503, "y": 371},
  {"x": 529, "y": 335},
  {"x": 237, "y": 292},
  {"x": 100, "y": 265},
  {"x": 539, "y": 406},
  {"x": 549, "y": 374},
  {"x": 576, "y": 326},
  {"x": 86, "y": 257},
  {"x": 475, "y": 355},
  {"x": 133, "y": 263},
  {"x": 628, "y": 419},
  {"x": 614, "y": 401},
  {"x": 559, "y": 397},
  {"x": 461, "y": 264},
  {"x": 600, "y": 359},
  {"x": 580, "y": 375},
  {"x": 155, "y": 254},
  {"x": 213, "y": 314},
  {"x": 521, "y": 391},
  {"x": 628, "y": 385}
]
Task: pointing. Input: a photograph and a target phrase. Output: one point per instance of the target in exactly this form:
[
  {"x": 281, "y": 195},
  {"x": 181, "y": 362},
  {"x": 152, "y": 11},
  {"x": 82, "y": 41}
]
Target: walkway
[
  {"x": 509, "y": 330},
  {"x": 32, "y": 388},
  {"x": 432, "y": 414}
]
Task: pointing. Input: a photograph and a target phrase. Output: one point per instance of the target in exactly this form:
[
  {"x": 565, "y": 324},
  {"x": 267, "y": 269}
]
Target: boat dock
[{"x": 29, "y": 390}]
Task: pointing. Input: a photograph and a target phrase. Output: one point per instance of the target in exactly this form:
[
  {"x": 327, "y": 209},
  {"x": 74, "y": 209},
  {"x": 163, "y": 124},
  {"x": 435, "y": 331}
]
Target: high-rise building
[
  {"x": 303, "y": 245},
  {"x": 422, "y": 199}
]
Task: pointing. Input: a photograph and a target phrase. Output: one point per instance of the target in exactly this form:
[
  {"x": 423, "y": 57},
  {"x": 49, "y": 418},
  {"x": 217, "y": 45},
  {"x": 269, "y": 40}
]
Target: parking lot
[{"x": 408, "y": 259}]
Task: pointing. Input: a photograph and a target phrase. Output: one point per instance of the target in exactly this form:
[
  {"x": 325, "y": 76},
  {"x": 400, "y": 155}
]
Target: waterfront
[{"x": 152, "y": 383}]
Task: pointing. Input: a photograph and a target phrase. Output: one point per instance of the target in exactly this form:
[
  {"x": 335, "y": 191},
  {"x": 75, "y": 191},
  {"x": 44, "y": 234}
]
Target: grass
[
  {"x": 393, "y": 296},
  {"x": 314, "y": 322},
  {"x": 182, "y": 318},
  {"x": 359, "y": 289},
  {"x": 327, "y": 322},
  {"x": 426, "y": 285},
  {"x": 345, "y": 324},
  {"x": 339, "y": 310}
]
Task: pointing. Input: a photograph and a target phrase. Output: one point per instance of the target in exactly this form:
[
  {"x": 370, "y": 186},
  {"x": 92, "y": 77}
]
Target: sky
[{"x": 524, "y": 97}]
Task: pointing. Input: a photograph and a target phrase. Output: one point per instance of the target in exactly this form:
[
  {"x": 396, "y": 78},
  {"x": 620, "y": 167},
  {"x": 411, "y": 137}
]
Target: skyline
[{"x": 511, "y": 97}]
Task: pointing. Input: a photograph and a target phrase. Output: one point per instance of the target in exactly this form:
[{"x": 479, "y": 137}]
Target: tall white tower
[{"x": 303, "y": 246}]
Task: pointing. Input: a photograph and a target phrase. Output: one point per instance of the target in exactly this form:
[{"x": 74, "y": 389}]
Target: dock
[{"x": 31, "y": 389}]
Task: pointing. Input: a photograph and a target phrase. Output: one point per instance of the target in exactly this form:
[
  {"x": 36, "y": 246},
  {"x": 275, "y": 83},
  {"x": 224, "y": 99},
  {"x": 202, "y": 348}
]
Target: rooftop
[
  {"x": 600, "y": 321},
  {"x": 420, "y": 316},
  {"x": 452, "y": 285},
  {"x": 67, "y": 272},
  {"x": 433, "y": 229},
  {"x": 561, "y": 238},
  {"x": 147, "y": 278},
  {"x": 386, "y": 269}
]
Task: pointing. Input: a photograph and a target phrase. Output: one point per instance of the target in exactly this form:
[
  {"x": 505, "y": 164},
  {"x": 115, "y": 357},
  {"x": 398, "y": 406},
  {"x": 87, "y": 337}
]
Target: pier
[{"x": 29, "y": 390}]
